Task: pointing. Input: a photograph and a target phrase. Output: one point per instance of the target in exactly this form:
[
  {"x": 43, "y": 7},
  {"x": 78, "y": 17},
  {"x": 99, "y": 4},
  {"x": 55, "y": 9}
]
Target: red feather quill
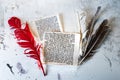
[{"x": 26, "y": 40}]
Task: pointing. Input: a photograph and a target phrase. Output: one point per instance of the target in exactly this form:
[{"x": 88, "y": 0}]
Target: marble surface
[{"x": 105, "y": 64}]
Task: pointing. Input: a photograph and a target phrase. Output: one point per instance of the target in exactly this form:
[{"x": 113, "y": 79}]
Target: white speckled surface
[{"x": 105, "y": 65}]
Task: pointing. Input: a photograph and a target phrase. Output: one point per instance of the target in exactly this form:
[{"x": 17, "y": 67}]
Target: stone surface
[{"x": 105, "y": 65}]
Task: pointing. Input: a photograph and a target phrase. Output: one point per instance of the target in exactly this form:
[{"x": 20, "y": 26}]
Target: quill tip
[
  {"x": 99, "y": 7},
  {"x": 45, "y": 74}
]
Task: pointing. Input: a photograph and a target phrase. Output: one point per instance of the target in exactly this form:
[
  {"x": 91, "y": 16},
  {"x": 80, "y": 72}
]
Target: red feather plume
[{"x": 26, "y": 40}]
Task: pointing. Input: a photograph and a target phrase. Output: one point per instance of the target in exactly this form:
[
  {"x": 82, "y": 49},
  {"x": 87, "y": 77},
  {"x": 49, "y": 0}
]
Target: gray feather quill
[{"x": 92, "y": 41}]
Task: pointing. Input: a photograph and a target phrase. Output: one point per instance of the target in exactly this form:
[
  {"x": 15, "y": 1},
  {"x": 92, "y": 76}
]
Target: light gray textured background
[{"x": 105, "y": 65}]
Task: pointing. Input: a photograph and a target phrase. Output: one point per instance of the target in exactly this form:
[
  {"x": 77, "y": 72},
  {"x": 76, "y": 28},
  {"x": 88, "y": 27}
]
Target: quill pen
[
  {"x": 90, "y": 27},
  {"x": 92, "y": 41},
  {"x": 26, "y": 40}
]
